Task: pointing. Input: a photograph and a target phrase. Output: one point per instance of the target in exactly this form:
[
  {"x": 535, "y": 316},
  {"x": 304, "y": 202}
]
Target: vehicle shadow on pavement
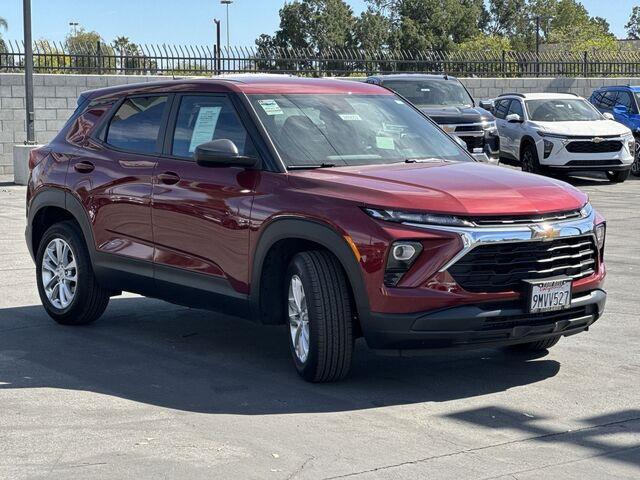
[
  {"x": 601, "y": 435},
  {"x": 149, "y": 351}
]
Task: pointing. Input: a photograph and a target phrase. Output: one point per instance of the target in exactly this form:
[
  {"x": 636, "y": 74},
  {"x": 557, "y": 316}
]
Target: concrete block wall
[{"x": 55, "y": 99}]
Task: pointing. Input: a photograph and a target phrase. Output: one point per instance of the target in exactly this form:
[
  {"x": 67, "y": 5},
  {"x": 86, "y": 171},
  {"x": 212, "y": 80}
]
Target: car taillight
[{"x": 36, "y": 156}]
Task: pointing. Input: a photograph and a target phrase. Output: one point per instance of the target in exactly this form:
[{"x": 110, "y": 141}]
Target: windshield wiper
[
  {"x": 310, "y": 167},
  {"x": 423, "y": 160}
]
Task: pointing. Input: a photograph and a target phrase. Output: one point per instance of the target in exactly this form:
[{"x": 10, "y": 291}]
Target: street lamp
[
  {"x": 74, "y": 26},
  {"x": 227, "y": 3}
]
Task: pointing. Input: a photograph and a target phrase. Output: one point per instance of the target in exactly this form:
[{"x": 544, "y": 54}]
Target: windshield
[
  {"x": 344, "y": 129},
  {"x": 432, "y": 93},
  {"x": 562, "y": 110}
]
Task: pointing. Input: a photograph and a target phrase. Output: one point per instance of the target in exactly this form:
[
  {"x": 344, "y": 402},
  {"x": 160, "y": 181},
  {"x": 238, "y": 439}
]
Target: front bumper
[{"x": 479, "y": 326}]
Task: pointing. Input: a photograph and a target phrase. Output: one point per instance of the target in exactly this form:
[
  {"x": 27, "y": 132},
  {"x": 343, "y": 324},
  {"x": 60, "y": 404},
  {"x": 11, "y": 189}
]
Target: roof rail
[{"x": 521, "y": 95}]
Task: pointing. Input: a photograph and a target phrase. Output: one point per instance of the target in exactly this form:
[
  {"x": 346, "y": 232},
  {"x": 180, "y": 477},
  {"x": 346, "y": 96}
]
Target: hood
[
  {"x": 464, "y": 188},
  {"x": 448, "y": 115},
  {"x": 578, "y": 129}
]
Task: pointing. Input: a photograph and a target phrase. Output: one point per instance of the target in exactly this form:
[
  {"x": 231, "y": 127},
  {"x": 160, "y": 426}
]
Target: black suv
[{"x": 446, "y": 100}]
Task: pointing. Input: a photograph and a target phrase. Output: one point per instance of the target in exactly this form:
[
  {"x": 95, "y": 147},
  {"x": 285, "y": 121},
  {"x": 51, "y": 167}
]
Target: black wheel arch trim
[
  {"x": 60, "y": 198},
  {"x": 293, "y": 227}
]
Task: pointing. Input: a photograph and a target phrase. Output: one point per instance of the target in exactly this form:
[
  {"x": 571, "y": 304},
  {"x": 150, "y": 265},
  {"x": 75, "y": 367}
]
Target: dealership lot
[{"x": 154, "y": 390}]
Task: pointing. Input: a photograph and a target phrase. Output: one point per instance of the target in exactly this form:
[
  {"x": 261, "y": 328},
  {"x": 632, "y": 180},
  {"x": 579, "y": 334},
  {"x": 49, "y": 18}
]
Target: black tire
[
  {"x": 330, "y": 325},
  {"x": 529, "y": 161},
  {"x": 635, "y": 166},
  {"x": 538, "y": 346},
  {"x": 619, "y": 176},
  {"x": 90, "y": 299}
]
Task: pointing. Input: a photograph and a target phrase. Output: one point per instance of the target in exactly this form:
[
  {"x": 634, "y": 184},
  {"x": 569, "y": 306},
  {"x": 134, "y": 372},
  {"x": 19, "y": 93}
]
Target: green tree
[
  {"x": 438, "y": 24},
  {"x": 373, "y": 30},
  {"x": 88, "y": 52},
  {"x": 3, "y": 26},
  {"x": 633, "y": 25}
]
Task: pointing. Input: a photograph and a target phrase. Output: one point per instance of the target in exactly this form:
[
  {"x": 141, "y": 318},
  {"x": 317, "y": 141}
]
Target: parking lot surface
[{"x": 154, "y": 390}]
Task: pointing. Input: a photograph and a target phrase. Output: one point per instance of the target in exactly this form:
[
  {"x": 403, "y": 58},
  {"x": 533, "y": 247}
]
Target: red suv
[{"x": 334, "y": 207}]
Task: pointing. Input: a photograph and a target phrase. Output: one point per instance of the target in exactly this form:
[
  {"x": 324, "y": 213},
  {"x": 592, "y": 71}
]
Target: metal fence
[{"x": 101, "y": 58}]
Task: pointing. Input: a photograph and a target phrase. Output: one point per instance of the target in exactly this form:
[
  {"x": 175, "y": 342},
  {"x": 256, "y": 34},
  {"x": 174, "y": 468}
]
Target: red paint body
[{"x": 211, "y": 221}]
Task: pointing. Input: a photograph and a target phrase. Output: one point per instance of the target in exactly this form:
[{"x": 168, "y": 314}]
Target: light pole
[
  {"x": 227, "y": 3},
  {"x": 28, "y": 72},
  {"x": 74, "y": 27}
]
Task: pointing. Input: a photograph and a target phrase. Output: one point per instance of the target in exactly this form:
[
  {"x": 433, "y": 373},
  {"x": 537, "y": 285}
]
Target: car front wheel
[
  {"x": 530, "y": 162},
  {"x": 619, "y": 176},
  {"x": 67, "y": 286},
  {"x": 635, "y": 166},
  {"x": 320, "y": 328}
]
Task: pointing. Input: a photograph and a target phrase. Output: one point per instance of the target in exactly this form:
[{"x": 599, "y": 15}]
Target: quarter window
[
  {"x": 203, "y": 118},
  {"x": 136, "y": 124}
]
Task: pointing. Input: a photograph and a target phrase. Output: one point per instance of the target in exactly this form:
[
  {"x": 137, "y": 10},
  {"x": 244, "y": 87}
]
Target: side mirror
[
  {"x": 514, "y": 118},
  {"x": 608, "y": 116},
  {"x": 621, "y": 110},
  {"x": 222, "y": 153},
  {"x": 488, "y": 105}
]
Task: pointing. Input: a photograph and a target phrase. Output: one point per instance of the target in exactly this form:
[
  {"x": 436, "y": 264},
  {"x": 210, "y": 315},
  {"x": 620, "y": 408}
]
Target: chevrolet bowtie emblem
[
  {"x": 598, "y": 140},
  {"x": 544, "y": 231}
]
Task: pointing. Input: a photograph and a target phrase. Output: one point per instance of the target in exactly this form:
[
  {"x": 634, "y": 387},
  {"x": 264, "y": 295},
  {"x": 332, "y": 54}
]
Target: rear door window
[
  {"x": 136, "y": 125},
  {"x": 203, "y": 118}
]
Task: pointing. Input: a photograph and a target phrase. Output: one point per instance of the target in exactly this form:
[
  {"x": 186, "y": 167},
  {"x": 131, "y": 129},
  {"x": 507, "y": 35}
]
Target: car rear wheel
[
  {"x": 619, "y": 176},
  {"x": 538, "y": 346},
  {"x": 67, "y": 286},
  {"x": 320, "y": 327},
  {"x": 529, "y": 161}
]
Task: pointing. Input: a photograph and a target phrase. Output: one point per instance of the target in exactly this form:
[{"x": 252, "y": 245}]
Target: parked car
[
  {"x": 446, "y": 100},
  {"x": 562, "y": 133},
  {"x": 621, "y": 102},
  {"x": 332, "y": 207}
]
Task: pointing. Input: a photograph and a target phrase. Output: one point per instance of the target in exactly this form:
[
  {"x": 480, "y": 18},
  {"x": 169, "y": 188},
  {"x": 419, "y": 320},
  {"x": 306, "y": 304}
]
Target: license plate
[{"x": 549, "y": 295}]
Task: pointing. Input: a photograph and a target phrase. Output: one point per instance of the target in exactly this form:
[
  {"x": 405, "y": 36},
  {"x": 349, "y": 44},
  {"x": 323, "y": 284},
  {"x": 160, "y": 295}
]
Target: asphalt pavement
[{"x": 153, "y": 390}]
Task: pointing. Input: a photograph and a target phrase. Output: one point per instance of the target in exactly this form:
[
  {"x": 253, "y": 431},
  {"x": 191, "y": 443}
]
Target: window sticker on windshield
[
  {"x": 270, "y": 107},
  {"x": 205, "y": 126},
  {"x": 385, "y": 143},
  {"x": 350, "y": 117}
]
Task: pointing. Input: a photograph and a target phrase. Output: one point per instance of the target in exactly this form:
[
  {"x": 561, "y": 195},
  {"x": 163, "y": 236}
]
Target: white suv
[{"x": 562, "y": 132}]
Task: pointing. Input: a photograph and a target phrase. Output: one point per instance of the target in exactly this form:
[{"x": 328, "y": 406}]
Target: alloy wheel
[
  {"x": 635, "y": 166},
  {"x": 59, "y": 273},
  {"x": 527, "y": 161},
  {"x": 298, "y": 319}
]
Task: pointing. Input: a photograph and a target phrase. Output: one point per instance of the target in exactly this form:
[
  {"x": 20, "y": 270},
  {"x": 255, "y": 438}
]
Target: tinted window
[
  {"x": 516, "y": 107},
  {"x": 596, "y": 99},
  {"x": 609, "y": 99},
  {"x": 432, "y": 93},
  {"x": 203, "y": 118},
  {"x": 136, "y": 124},
  {"x": 344, "y": 129},
  {"x": 624, "y": 98},
  {"x": 502, "y": 107}
]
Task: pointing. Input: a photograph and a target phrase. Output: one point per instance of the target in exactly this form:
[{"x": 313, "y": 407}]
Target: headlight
[
  {"x": 601, "y": 231},
  {"x": 489, "y": 126},
  {"x": 586, "y": 210},
  {"x": 416, "y": 217},
  {"x": 552, "y": 135}
]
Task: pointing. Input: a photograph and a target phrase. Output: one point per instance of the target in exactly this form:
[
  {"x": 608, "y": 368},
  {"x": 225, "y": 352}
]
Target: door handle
[
  {"x": 168, "y": 178},
  {"x": 84, "y": 167}
]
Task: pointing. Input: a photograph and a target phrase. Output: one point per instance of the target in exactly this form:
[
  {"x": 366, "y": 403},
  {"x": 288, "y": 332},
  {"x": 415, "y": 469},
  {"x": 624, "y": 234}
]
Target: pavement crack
[
  {"x": 486, "y": 447},
  {"x": 300, "y": 468}
]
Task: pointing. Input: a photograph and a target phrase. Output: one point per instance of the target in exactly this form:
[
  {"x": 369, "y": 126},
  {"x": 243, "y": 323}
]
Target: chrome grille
[
  {"x": 525, "y": 219},
  {"x": 502, "y": 267}
]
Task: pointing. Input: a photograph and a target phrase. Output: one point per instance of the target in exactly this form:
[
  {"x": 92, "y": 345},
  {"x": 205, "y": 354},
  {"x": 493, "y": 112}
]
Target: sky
[{"x": 190, "y": 22}]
